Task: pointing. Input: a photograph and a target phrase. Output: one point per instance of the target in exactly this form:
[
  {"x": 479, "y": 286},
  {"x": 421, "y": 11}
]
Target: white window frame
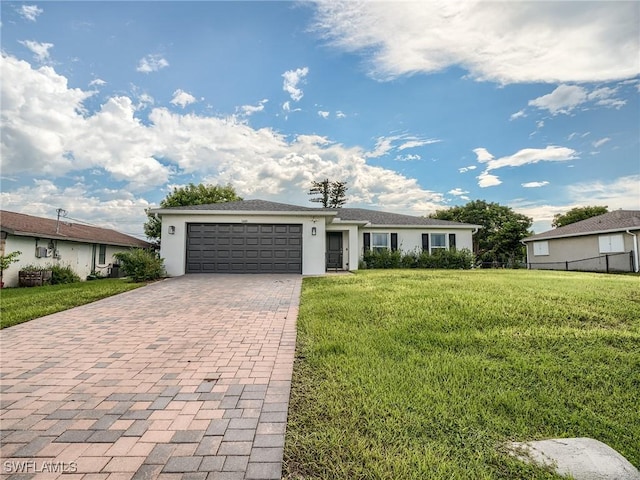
[
  {"x": 611, "y": 243},
  {"x": 541, "y": 248},
  {"x": 377, "y": 246},
  {"x": 432, "y": 243}
]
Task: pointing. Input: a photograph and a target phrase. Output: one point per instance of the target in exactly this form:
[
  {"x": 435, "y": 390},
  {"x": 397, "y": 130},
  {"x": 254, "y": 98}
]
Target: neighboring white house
[
  {"x": 606, "y": 243},
  {"x": 45, "y": 241},
  {"x": 257, "y": 236}
]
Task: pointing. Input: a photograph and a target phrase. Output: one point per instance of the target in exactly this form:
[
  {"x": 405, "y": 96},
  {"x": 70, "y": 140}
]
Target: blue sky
[{"x": 419, "y": 106}]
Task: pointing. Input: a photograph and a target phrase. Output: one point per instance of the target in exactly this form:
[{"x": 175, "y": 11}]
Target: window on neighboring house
[
  {"x": 611, "y": 243},
  {"x": 541, "y": 248},
  {"x": 452, "y": 241},
  {"x": 102, "y": 255},
  {"x": 438, "y": 241}
]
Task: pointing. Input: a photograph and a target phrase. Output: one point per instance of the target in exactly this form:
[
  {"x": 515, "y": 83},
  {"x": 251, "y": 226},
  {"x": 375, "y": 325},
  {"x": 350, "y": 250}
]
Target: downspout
[{"x": 635, "y": 251}]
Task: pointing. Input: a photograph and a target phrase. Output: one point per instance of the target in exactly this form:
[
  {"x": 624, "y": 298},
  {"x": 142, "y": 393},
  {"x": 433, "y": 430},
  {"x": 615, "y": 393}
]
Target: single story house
[
  {"x": 45, "y": 241},
  {"x": 605, "y": 243},
  {"x": 257, "y": 236}
]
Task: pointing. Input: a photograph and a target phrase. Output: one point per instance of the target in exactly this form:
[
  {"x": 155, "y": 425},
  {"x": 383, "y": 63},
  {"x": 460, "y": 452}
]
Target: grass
[
  {"x": 19, "y": 305},
  {"x": 427, "y": 374}
]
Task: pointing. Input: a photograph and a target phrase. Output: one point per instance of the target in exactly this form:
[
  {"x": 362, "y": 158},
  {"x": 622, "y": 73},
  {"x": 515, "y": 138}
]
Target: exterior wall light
[
  {"x": 313, "y": 230},
  {"x": 172, "y": 229}
]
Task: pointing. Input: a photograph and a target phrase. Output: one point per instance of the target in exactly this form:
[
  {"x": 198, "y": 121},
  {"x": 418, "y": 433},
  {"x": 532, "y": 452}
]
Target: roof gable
[
  {"x": 618, "y": 220},
  {"x": 27, "y": 225}
]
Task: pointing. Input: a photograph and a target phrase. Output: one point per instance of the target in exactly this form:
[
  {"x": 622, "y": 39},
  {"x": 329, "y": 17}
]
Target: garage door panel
[{"x": 244, "y": 248}]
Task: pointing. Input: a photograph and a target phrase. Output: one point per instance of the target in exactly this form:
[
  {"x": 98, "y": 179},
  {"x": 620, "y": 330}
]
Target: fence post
[
  {"x": 631, "y": 262},
  {"x": 606, "y": 261},
  {"x": 566, "y": 266}
]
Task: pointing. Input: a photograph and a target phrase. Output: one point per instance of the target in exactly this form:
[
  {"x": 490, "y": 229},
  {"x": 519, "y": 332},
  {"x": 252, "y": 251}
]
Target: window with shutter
[
  {"x": 452, "y": 241},
  {"x": 425, "y": 242},
  {"x": 394, "y": 242}
]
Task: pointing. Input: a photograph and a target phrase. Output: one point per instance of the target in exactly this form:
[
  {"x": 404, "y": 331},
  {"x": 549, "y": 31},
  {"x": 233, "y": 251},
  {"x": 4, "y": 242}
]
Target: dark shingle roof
[
  {"x": 618, "y": 220},
  {"x": 385, "y": 218},
  {"x": 247, "y": 206},
  {"x": 345, "y": 214},
  {"x": 28, "y": 225}
]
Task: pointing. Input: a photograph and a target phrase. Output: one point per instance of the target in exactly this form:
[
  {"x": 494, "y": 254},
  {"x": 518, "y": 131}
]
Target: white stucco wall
[
  {"x": 78, "y": 256},
  {"x": 173, "y": 246}
]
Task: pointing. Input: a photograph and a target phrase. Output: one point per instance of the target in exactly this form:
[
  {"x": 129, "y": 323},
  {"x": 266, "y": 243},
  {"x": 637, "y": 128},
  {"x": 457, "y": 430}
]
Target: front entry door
[{"x": 334, "y": 250}]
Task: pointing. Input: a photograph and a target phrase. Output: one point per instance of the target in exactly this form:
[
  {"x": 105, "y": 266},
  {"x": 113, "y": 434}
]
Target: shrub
[
  {"x": 62, "y": 274},
  {"x": 382, "y": 259},
  {"x": 447, "y": 259},
  {"x": 59, "y": 273},
  {"x": 141, "y": 265}
]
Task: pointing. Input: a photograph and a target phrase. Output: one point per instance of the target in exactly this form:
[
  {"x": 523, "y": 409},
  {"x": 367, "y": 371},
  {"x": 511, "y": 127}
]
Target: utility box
[{"x": 41, "y": 252}]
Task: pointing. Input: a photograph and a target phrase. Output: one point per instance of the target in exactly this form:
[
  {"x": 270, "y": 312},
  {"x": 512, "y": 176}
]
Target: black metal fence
[{"x": 611, "y": 262}]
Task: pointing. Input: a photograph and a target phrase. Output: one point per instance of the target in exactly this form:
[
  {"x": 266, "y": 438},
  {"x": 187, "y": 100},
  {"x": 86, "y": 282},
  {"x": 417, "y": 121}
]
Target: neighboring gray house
[
  {"x": 46, "y": 241},
  {"x": 606, "y": 243},
  {"x": 256, "y": 236}
]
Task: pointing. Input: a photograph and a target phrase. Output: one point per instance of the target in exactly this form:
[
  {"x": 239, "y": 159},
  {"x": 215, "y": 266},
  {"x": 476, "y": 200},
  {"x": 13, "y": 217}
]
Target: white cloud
[
  {"x": 526, "y": 156},
  {"x": 566, "y": 98},
  {"x": 457, "y": 192},
  {"x": 539, "y": 124},
  {"x": 506, "y": 42},
  {"x": 485, "y": 179},
  {"x": 482, "y": 155},
  {"x": 416, "y": 142},
  {"x": 248, "y": 110},
  {"x": 292, "y": 78},
  {"x": 562, "y": 100},
  {"x": 323, "y": 114},
  {"x": 152, "y": 63},
  {"x": 116, "y": 209},
  {"x": 40, "y": 50},
  {"x": 385, "y": 145},
  {"x": 620, "y": 193},
  {"x": 97, "y": 81},
  {"x": 182, "y": 98},
  {"x": 340, "y": 114},
  {"x": 535, "y": 184},
  {"x": 466, "y": 169},
  {"x": 602, "y": 141},
  {"x": 518, "y": 114},
  {"x": 407, "y": 158},
  {"x": 45, "y": 131},
  {"x": 29, "y": 12}
]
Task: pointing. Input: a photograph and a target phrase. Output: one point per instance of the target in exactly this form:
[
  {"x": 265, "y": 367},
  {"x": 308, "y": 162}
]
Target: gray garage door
[{"x": 244, "y": 248}]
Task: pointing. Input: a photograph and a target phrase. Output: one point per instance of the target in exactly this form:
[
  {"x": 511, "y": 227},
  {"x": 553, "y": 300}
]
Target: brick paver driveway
[{"x": 188, "y": 378}]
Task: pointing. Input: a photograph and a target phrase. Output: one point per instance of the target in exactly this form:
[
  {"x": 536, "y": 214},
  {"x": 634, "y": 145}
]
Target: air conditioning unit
[{"x": 41, "y": 252}]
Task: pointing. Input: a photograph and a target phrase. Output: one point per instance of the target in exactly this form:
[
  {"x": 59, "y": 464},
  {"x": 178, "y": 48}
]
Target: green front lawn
[
  {"x": 19, "y": 305},
  {"x": 411, "y": 374}
]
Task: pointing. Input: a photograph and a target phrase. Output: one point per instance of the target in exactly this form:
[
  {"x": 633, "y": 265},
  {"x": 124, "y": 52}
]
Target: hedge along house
[
  {"x": 606, "y": 243},
  {"x": 45, "y": 241},
  {"x": 257, "y": 236}
]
